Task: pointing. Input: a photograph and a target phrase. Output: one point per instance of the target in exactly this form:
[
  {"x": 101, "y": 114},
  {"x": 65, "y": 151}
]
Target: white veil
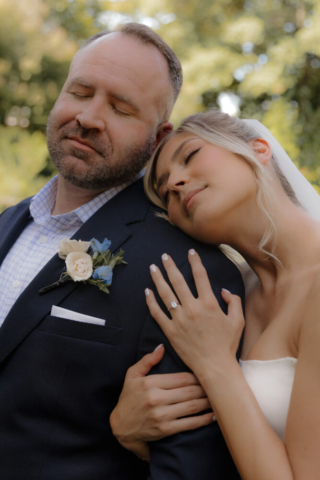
[{"x": 304, "y": 191}]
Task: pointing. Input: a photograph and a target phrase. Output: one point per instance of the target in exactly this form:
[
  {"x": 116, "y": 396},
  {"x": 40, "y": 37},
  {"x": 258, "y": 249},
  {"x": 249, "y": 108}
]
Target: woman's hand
[
  {"x": 153, "y": 407},
  {"x": 202, "y": 335}
]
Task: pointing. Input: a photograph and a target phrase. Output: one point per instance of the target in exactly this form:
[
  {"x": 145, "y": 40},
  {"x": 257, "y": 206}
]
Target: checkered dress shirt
[{"x": 40, "y": 239}]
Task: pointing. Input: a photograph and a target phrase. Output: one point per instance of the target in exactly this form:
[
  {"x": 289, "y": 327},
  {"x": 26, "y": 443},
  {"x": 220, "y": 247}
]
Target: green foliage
[
  {"x": 265, "y": 52},
  {"x": 22, "y": 157}
]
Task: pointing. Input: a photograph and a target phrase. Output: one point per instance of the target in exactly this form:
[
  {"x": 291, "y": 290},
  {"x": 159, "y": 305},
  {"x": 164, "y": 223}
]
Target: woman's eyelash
[
  {"x": 188, "y": 157},
  {"x": 165, "y": 196}
]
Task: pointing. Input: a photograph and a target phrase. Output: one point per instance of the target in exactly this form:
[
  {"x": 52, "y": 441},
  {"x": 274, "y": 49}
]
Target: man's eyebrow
[
  {"x": 126, "y": 100},
  {"x": 81, "y": 82},
  {"x": 164, "y": 176}
]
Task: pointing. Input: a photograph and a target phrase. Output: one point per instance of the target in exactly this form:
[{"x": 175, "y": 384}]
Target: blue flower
[
  {"x": 100, "y": 247},
  {"x": 104, "y": 273}
]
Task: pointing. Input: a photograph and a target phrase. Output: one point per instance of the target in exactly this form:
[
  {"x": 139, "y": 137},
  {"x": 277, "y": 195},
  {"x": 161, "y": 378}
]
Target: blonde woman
[{"x": 227, "y": 181}]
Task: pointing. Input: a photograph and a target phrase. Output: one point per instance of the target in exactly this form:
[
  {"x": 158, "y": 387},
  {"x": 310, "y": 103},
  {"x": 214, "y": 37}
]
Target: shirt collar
[{"x": 42, "y": 203}]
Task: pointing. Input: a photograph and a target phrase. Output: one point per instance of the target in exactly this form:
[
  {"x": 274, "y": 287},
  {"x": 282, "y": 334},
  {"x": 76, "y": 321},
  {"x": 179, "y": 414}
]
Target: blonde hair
[{"x": 233, "y": 135}]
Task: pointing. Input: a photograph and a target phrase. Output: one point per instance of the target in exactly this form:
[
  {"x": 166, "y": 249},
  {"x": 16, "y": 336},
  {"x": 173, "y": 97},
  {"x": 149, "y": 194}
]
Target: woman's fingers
[
  {"x": 165, "y": 292},
  {"x": 157, "y": 313},
  {"x": 176, "y": 279},
  {"x": 235, "y": 310},
  {"x": 201, "y": 278}
]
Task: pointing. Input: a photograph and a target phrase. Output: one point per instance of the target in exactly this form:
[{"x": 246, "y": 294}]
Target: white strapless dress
[{"x": 271, "y": 382}]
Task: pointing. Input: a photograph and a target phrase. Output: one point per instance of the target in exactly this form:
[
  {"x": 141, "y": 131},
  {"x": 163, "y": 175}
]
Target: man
[{"x": 60, "y": 378}]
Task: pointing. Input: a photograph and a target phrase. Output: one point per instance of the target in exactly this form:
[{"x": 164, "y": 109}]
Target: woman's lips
[{"x": 189, "y": 197}]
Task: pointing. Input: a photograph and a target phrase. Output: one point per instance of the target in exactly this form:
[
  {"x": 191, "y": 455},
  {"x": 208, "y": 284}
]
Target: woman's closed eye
[
  {"x": 190, "y": 155},
  {"x": 166, "y": 194}
]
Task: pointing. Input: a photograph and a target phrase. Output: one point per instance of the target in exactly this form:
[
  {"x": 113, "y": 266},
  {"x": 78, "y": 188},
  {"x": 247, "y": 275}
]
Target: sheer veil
[{"x": 304, "y": 191}]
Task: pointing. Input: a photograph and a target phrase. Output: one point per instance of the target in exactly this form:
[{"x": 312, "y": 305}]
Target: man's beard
[{"x": 108, "y": 171}]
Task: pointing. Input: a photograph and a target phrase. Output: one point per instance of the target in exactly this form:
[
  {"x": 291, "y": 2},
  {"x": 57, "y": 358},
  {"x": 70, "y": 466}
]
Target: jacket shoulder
[{"x": 10, "y": 211}]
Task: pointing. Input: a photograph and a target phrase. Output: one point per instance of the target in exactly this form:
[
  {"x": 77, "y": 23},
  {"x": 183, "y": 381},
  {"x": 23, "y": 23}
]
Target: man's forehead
[
  {"x": 118, "y": 57},
  {"x": 123, "y": 50}
]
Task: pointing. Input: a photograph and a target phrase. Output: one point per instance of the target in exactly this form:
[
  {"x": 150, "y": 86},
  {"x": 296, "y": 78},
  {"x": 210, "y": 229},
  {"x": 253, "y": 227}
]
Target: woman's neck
[{"x": 297, "y": 247}]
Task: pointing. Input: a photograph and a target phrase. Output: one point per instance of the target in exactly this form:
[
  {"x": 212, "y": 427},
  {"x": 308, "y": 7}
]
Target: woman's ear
[{"x": 261, "y": 149}]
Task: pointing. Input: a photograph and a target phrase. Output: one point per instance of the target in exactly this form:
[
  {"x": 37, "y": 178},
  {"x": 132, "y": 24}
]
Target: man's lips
[
  {"x": 81, "y": 144},
  {"x": 187, "y": 200}
]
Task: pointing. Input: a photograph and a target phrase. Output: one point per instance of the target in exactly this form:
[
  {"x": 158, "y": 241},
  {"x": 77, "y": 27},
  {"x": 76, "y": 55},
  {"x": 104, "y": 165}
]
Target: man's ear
[
  {"x": 162, "y": 131},
  {"x": 261, "y": 149}
]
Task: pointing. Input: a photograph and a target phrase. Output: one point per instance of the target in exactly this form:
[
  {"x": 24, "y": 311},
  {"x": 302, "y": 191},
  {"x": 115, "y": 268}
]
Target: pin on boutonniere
[{"x": 95, "y": 267}]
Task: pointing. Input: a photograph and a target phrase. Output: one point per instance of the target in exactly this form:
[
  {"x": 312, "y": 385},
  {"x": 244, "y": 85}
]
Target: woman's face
[{"x": 206, "y": 188}]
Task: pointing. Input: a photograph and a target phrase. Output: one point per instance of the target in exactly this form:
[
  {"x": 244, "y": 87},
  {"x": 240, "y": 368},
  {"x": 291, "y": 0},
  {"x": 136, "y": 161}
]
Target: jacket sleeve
[{"x": 202, "y": 453}]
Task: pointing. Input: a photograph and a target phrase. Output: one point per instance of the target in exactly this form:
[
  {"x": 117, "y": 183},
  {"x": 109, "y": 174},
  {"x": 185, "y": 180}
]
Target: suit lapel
[{"x": 109, "y": 221}]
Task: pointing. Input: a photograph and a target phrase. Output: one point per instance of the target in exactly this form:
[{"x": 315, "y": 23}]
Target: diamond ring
[{"x": 173, "y": 305}]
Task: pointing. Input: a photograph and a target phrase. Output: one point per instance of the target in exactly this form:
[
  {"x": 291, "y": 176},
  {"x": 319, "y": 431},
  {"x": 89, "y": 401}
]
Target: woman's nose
[{"x": 176, "y": 181}]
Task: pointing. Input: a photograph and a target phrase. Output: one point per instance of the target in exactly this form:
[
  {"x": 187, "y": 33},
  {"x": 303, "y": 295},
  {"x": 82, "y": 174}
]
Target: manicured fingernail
[
  {"x": 153, "y": 268},
  {"x": 214, "y": 418},
  {"x": 225, "y": 290},
  {"x": 164, "y": 257},
  {"x": 159, "y": 346},
  {"x": 147, "y": 292},
  {"x": 192, "y": 252}
]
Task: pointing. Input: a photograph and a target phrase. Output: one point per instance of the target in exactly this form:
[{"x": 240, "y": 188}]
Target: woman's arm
[
  {"x": 206, "y": 339},
  {"x": 257, "y": 451},
  {"x": 303, "y": 423},
  {"x": 156, "y": 406}
]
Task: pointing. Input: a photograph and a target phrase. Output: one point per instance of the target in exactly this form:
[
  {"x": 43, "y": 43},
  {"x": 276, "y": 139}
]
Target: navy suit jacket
[{"x": 61, "y": 379}]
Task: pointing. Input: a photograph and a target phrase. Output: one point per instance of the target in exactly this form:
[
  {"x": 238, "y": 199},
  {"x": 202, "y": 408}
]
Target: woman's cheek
[{"x": 174, "y": 215}]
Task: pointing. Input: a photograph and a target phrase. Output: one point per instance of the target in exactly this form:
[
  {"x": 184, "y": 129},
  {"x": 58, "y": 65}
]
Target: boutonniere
[{"x": 95, "y": 267}]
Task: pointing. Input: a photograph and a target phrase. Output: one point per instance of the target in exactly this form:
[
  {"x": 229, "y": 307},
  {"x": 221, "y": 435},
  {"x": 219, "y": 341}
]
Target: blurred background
[{"x": 254, "y": 59}]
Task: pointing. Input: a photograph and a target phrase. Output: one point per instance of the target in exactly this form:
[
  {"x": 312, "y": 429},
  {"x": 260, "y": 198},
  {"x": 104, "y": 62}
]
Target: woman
[{"x": 220, "y": 182}]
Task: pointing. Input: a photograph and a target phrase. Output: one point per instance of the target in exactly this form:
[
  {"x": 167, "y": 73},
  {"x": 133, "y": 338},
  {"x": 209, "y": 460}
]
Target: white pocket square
[{"x": 77, "y": 317}]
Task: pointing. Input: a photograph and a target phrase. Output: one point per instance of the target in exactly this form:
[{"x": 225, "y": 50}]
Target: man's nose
[{"x": 91, "y": 116}]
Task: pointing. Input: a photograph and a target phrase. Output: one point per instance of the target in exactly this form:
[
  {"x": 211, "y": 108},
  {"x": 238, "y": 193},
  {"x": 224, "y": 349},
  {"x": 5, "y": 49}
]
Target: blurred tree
[
  {"x": 38, "y": 39},
  {"x": 253, "y": 58},
  {"x": 23, "y": 156}
]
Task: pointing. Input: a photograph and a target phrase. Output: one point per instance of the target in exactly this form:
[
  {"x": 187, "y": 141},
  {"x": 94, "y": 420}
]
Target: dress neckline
[{"x": 283, "y": 359}]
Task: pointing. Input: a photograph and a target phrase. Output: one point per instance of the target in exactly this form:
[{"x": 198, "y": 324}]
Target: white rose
[
  {"x": 67, "y": 246},
  {"x": 79, "y": 266}
]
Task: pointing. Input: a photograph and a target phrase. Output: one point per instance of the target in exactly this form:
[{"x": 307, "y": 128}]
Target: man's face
[{"x": 110, "y": 112}]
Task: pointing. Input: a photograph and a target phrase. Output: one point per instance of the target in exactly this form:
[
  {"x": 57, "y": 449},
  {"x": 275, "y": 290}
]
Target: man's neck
[{"x": 69, "y": 197}]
